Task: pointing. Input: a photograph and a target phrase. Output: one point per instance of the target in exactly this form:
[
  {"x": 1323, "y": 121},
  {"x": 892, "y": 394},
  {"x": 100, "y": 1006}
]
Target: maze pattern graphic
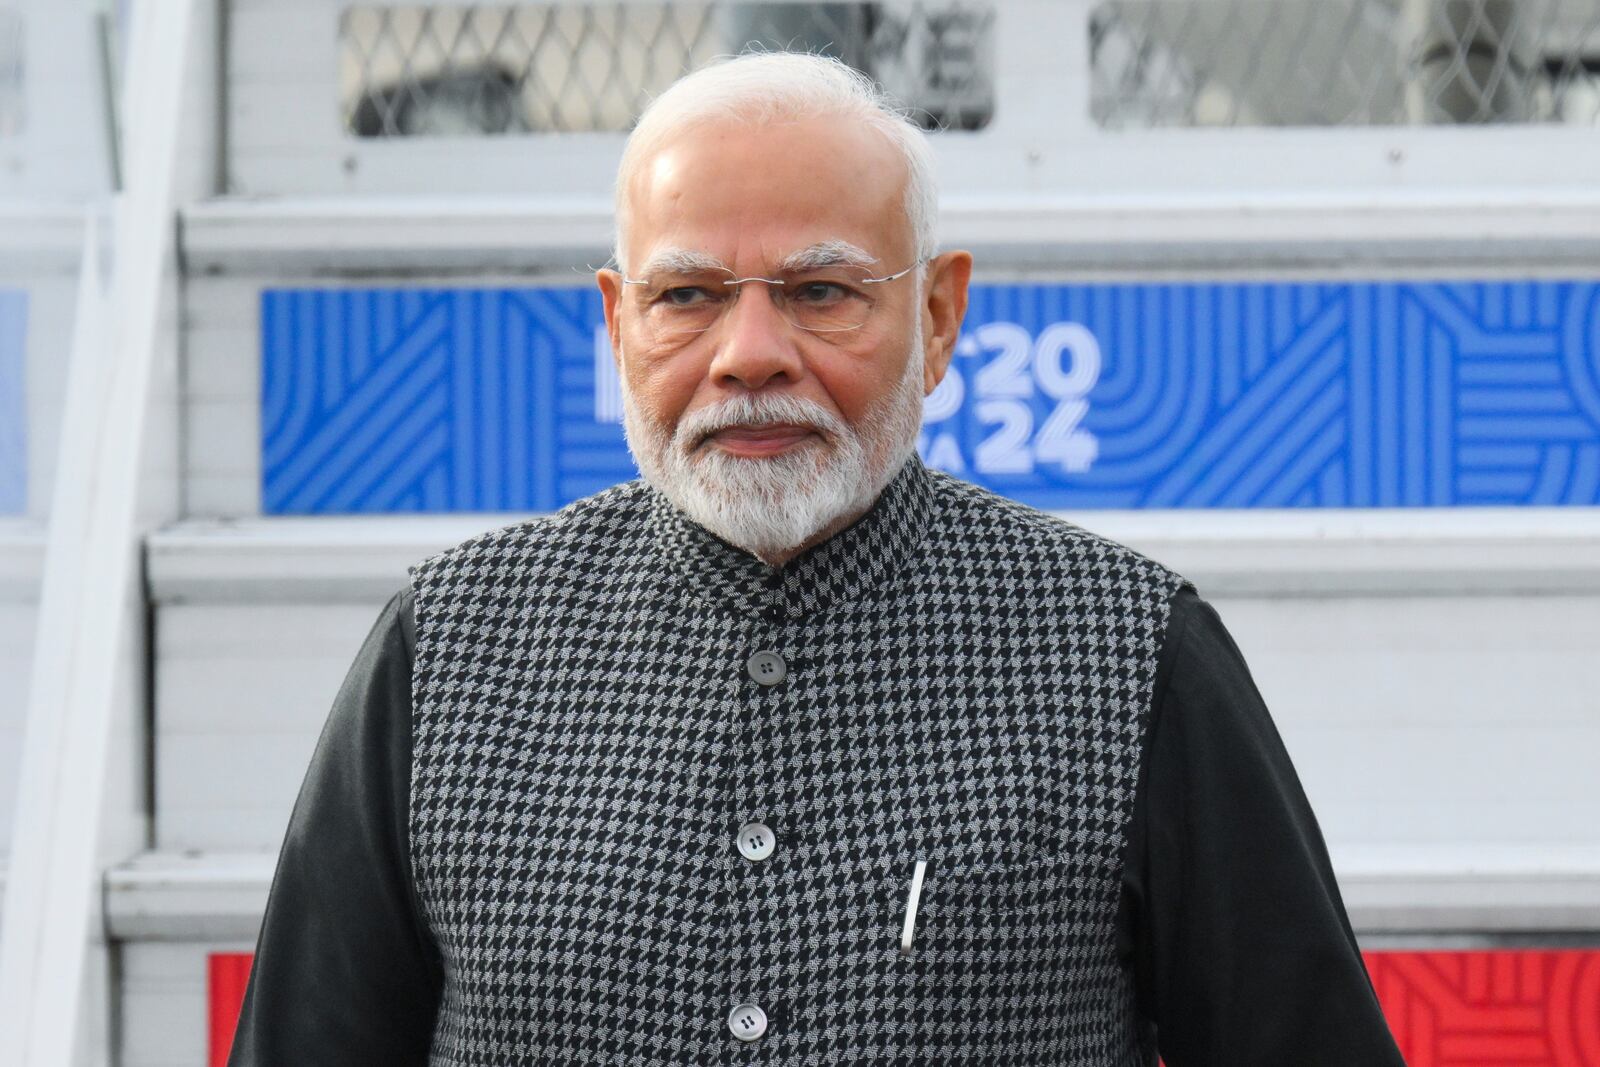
[
  {"x": 380, "y": 400},
  {"x": 13, "y": 402},
  {"x": 1190, "y": 395},
  {"x": 1471, "y": 1009}
]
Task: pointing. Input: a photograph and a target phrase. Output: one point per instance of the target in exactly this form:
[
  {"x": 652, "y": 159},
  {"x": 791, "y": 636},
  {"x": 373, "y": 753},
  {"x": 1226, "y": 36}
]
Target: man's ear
[
  {"x": 610, "y": 283},
  {"x": 944, "y": 306}
]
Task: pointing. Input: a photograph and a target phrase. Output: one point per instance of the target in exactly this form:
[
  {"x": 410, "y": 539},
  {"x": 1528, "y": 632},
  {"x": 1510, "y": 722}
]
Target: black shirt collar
[{"x": 866, "y": 553}]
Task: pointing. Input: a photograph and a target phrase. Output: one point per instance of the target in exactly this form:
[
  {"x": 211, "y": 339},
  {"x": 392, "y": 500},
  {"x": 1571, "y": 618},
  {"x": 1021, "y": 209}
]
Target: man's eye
[
  {"x": 684, "y": 296},
  {"x": 821, "y": 293}
]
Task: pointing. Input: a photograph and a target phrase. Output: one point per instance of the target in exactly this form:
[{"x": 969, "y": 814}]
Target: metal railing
[
  {"x": 1344, "y": 62},
  {"x": 70, "y": 818},
  {"x": 449, "y": 69}
]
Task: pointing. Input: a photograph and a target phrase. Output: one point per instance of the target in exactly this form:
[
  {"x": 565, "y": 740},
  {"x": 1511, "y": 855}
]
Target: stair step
[
  {"x": 1259, "y": 552},
  {"x": 221, "y": 896},
  {"x": 189, "y": 896},
  {"x": 1068, "y": 234},
  {"x": 300, "y": 560}
]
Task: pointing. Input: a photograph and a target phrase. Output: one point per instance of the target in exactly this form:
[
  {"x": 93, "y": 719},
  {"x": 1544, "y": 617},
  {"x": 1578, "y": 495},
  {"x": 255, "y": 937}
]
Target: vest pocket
[
  {"x": 980, "y": 908},
  {"x": 976, "y": 888},
  {"x": 989, "y": 957}
]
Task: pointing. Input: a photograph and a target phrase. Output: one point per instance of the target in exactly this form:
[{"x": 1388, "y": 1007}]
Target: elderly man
[{"x": 795, "y": 751}]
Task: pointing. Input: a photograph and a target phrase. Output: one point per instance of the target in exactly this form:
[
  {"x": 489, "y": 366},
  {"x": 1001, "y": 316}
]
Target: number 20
[{"x": 1003, "y": 386}]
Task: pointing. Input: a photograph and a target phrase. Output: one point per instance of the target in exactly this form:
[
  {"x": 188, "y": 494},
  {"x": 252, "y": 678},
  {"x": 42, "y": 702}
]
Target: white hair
[{"x": 769, "y": 87}]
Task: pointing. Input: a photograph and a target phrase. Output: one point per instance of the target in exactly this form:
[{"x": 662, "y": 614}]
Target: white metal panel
[
  {"x": 34, "y": 259},
  {"x": 60, "y": 152},
  {"x": 221, "y": 363},
  {"x": 39, "y": 237},
  {"x": 221, "y": 400},
  {"x": 1537, "y": 889},
  {"x": 1440, "y": 665},
  {"x": 1434, "y": 721},
  {"x": 242, "y": 693},
  {"x": 222, "y": 494},
  {"x": 300, "y": 561},
  {"x": 50, "y": 304},
  {"x": 224, "y": 439},
  {"x": 21, "y": 559},
  {"x": 189, "y": 896},
  {"x": 21, "y": 552},
  {"x": 16, "y": 655},
  {"x": 164, "y": 1007},
  {"x": 283, "y": 110},
  {"x": 234, "y": 788},
  {"x": 1328, "y": 234},
  {"x": 208, "y": 692},
  {"x": 1526, "y": 782}
]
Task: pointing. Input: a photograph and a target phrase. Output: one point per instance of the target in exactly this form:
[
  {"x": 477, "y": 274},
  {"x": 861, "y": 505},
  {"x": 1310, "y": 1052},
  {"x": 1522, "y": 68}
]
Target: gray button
[
  {"x": 756, "y": 841},
  {"x": 747, "y": 1022},
  {"x": 767, "y": 668}
]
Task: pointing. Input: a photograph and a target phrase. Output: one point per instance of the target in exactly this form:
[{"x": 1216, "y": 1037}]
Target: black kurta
[{"x": 1231, "y": 921}]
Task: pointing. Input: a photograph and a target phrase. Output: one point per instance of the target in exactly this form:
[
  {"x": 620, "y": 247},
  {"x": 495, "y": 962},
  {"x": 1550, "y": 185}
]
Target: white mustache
[{"x": 755, "y": 410}]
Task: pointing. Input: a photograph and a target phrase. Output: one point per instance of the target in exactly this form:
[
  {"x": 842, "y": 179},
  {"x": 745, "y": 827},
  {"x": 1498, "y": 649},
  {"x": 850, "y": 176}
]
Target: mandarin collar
[{"x": 867, "y": 553}]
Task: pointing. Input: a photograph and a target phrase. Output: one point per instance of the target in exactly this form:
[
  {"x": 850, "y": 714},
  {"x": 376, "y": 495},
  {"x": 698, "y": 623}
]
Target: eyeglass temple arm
[{"x": 896, "y": 274}]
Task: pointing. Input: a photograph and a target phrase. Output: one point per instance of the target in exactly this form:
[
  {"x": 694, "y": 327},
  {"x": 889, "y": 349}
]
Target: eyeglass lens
[{"x": 820, "y": 300}]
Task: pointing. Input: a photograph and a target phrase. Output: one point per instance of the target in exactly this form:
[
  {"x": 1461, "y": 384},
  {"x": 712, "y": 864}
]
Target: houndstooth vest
[{"x": 606, "y": 699}]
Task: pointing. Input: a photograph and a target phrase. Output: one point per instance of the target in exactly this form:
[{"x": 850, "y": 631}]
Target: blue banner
[
  {"x": 13, "y": 402},
  {"x": 1414, "y": 394}
]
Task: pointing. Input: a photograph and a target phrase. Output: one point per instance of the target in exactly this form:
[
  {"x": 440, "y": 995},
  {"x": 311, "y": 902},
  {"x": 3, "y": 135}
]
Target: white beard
[{"x": 770, "y": 504}]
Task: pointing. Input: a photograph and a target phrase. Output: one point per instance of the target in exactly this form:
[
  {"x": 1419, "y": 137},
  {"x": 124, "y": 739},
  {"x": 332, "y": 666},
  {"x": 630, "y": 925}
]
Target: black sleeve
[
  {"x": 1231, "y": 919},
  {"x": 345, "y": 969}
]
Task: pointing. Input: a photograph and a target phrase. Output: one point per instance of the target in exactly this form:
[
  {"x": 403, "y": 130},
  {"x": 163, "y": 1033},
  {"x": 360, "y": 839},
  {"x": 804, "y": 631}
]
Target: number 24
[{"x": 1004, "y": 385}]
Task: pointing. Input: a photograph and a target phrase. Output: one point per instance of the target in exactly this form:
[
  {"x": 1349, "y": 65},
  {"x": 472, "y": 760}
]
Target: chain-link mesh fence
[
  {"x": 1344, "y": 62},
  {"x": 11, "y": 69},
  {"x": 571, "y": 67}
]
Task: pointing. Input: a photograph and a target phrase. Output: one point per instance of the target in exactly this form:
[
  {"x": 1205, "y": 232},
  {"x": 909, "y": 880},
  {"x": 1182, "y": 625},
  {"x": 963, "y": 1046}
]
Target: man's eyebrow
[
  {"x": 836, "y": 253},
  {"x": 828, "y": 254},
  {"x": 682, "y": 261}
]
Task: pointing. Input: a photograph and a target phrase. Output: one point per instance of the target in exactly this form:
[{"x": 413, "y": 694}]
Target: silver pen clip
[{"x": 911, "y": 907}]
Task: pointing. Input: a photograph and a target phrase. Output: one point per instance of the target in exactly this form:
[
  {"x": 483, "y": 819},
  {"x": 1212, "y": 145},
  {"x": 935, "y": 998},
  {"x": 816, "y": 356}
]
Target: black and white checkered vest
[{"x": 957, "y": 678}]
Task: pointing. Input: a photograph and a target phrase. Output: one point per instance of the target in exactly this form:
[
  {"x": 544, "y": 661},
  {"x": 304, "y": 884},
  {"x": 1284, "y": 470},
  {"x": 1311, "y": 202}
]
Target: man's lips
[{"x": 761, "y": 440}]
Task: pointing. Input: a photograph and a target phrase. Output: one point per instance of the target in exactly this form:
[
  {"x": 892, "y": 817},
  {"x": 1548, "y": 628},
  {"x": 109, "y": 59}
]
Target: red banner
[
  {"x": 1484, "y": 1009},
  {"x": 227, "y": 974}
]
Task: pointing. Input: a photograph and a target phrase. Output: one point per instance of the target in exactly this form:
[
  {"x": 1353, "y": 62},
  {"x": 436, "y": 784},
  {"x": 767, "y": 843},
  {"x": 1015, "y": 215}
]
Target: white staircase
[{"x": 1429, "y": 670}]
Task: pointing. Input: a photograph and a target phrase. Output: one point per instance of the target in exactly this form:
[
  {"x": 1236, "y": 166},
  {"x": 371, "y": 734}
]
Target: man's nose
[{"x": 755, "y": 343}]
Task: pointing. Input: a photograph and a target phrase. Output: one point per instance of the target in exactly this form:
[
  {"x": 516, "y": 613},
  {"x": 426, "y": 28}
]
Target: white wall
[
  {"x": 242, "y": 691},
  {"x": 16, "y": 661},
  {"x": 222, "y": 397},
  {"x": 163, "y": 992},
  {"x": 60, "y": 153},
  {"x": 1421, "y": 723}
]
